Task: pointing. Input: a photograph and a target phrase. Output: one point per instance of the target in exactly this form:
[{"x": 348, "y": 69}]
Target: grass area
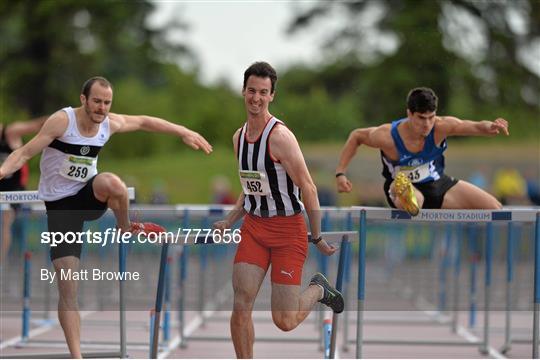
[{"x": 187, "y": 176}]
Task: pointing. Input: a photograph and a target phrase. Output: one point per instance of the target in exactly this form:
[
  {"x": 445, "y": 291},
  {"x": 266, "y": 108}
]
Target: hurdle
[
  {"x": 32, "y": 197},
  {"x": 332, "y": 237},
  {"x": 186, "y": 215},
  {"x": 514, "y": 232},
  {"x": 459, "y": 216}
]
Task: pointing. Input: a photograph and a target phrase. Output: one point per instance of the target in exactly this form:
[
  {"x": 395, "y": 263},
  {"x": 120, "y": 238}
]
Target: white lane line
[
  {"x": 467, "y": 335},
  {"x": 37, "y": 331}
]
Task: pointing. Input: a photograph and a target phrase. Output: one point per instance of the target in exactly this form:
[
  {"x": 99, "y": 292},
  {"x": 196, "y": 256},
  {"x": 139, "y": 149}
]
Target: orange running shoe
[{"x": 404, "y": 192}]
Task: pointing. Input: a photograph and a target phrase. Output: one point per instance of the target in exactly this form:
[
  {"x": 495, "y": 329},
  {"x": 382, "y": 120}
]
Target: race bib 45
[{"x": 416, "y": 173}]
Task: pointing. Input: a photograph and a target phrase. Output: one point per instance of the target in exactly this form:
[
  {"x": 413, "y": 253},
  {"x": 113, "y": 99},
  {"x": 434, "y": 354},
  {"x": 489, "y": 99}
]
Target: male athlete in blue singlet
[{"x": 412, "y": 156}]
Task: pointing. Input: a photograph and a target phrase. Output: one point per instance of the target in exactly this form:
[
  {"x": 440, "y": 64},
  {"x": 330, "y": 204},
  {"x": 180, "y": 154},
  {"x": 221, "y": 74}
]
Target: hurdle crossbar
[
  {"x": 32, "y": 196},
  {"x": 531, "y": 215},
  {"x": 446, "y": 215}
]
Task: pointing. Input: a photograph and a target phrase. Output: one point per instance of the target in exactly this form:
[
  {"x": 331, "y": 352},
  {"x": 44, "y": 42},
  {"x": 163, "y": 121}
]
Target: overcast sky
[{"x": 230, "y": 35}]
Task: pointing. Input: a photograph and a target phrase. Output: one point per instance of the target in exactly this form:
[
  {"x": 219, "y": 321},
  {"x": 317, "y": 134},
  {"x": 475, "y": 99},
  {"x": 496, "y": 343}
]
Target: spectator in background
[
  {"x": 532, "y": 178},
  {"x": 327, "y": 196},
  {"x": 509, "y": 186},
  {"x": 533, "y": 192},
  {"x": 159, "y": 194},
  {"x": 221, "y": 191},
  {"x": 479, "y": 178}
]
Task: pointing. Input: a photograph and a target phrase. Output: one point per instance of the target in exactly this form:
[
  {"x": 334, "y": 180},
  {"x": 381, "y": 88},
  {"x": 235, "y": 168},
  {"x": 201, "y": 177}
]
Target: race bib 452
[{"x": 254, "y": 183}]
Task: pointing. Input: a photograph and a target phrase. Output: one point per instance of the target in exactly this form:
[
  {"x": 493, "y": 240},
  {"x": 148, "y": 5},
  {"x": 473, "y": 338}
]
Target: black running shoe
[{"x": 331, "y": 297}]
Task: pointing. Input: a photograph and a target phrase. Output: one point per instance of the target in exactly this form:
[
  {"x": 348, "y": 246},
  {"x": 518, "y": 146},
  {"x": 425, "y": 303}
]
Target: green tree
[
  {"x": 50, "y": 47},
  {"x": 472, "y": 53}
]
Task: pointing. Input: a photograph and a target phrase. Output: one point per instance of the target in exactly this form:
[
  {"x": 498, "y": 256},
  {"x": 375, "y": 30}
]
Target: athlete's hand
[
  {"x": 221, "y": 225},
  {"x": 343, "y": 184},
  {"x": 325, "y": 248},
  {"x": 495, "y": 127},
  {"x": 196, "y": 141},
  {"x": 1, "y": 174}
]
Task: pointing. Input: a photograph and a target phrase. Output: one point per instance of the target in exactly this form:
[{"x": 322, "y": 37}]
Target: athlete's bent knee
[
  {"x": 114, "y": 185},
  {"x": 284, "y": 321}
]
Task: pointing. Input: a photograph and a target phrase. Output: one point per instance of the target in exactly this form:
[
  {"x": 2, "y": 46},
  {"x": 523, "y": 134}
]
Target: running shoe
[
  {"x": 403, "y": 189},
  {"x": 331, "y": 297},
  {"x": 145, "y": 228}
]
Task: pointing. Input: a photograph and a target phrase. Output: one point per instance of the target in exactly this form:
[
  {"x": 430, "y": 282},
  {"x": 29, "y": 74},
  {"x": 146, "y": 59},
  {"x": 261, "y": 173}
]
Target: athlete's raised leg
[
  {"x": 289, "y": 307},
  {"x": 110, "y": 189},
  {"x": 405, "y": 196},
  {"x": 465, "y": 195}
]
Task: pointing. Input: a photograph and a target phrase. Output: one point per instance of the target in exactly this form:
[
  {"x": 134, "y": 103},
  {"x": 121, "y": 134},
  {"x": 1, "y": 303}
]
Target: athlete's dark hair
[
  {"x": 88, "y": 84},
  {"x": 261, "y": 69},
  {"x": 421, "y": 100}
]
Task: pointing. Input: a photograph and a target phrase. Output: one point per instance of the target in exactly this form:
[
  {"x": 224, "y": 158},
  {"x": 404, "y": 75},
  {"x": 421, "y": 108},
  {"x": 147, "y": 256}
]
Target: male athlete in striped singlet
[
  {"x": 273, "y": 173},
  {"x": 72, "y": 188},
  {"x": 412, "y": 156}
]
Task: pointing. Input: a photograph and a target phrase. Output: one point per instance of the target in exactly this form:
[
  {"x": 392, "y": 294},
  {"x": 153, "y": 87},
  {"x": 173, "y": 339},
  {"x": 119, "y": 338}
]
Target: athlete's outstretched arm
[
  {"x": 356, "y": 138},
  {"x": 127, "y": 123},
  {"x": 452, "y": 126},
  {"x": 52, "y": 128},
  {"x": 284, "y": 148}
]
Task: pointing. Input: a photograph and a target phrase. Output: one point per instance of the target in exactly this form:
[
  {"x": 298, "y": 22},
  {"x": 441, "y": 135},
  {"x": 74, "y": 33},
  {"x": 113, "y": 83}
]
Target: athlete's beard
[{"x": 89, "y": 114}]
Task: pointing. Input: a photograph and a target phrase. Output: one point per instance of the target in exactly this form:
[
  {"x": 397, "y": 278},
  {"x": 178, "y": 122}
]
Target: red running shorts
[{"x": 278, "y": 240}]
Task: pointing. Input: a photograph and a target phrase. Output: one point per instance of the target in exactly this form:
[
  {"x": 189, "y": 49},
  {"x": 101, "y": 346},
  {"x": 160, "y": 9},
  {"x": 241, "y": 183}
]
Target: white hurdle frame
[
  {"x": 477, "y": 216},
  {"x": 32, "y": 197}
]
